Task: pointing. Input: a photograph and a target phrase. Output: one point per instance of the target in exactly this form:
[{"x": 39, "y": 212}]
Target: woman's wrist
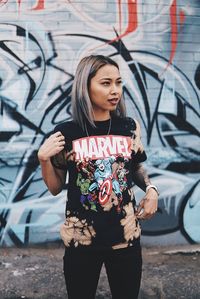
[
  {"x": 152, "y": 187},
  {"x": 42, "y": 158}
]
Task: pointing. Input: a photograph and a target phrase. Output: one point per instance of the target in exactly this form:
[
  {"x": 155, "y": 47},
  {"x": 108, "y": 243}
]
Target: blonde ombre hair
[{"x": 81, "y": 103}]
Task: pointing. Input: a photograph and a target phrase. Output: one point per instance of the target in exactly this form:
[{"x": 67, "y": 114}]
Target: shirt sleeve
[
  {"x": 138, "y": 152},
  {"x": 59, "y": 161},
  {"x": 139, "y": 157}
]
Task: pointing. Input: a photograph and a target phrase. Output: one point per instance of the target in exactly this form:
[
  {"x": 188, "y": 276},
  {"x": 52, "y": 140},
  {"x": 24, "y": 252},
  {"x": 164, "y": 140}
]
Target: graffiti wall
[{"x": 157, "y": 45}]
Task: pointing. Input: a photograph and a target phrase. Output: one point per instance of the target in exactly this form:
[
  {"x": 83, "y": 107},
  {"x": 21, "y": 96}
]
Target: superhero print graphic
[{"x": 101, "y": 163}]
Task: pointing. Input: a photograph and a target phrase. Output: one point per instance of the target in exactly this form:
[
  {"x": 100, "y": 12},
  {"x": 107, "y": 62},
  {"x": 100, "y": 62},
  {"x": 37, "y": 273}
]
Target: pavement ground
[{"x": 36, "y": 273}]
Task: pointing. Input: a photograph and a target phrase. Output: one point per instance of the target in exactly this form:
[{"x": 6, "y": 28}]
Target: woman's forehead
[{"x": 108, "y": 71}]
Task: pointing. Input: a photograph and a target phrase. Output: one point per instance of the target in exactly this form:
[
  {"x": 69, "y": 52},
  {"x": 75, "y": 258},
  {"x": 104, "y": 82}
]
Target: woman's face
[{"x": 105, "y": 91}]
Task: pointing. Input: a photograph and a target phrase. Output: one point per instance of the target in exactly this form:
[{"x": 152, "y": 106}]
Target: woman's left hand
[{"x": 148, "y": 205}]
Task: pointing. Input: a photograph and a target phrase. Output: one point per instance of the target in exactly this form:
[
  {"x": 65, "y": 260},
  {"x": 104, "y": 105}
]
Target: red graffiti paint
[
  {"x": 39, "y": 5},
  {"x": 132, "y": 19},
  {"x": 182, "y": 17},
  {"x": 19, "y": 3},
  {"x": 174, "y": 29},
  {"x": 120, "y": 16},
  {"x": 3, "y": 2}
]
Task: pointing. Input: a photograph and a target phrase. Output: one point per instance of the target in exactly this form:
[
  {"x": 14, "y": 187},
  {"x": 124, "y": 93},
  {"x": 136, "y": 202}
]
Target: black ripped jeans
[{"x": 82, "y": 269}]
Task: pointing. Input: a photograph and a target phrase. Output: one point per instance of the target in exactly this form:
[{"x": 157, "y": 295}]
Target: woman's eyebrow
[{"x": 107, "y": 78}]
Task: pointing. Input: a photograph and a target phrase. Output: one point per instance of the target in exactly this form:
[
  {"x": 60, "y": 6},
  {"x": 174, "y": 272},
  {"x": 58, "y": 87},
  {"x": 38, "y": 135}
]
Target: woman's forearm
[
  {"x": 53, "y": 178},
  {"x": 140, "y": 177}
]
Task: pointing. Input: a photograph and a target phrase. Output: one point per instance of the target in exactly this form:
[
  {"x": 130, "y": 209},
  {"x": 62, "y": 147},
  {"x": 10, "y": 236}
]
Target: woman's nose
[{"x": 114, "y": 89}]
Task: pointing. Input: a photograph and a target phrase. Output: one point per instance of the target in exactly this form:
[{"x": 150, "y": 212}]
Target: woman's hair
[{"x": 81, "y": 103}]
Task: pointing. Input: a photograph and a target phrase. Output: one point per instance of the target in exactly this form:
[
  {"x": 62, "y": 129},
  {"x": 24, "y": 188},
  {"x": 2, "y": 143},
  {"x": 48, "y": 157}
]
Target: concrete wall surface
[{"x": 157, "y": 45}]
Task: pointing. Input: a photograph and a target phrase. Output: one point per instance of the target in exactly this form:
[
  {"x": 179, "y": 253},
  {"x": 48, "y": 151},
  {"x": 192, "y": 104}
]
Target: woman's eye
[{"x": 108, "y": 83}]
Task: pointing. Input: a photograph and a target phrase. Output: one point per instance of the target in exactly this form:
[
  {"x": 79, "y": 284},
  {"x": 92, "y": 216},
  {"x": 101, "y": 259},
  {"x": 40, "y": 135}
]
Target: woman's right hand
[{"x": 52, "y": 146}]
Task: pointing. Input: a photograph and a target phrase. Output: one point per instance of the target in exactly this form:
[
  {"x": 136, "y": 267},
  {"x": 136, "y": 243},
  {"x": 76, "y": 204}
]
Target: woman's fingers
[
  {"x": 52, "y": 146},
  {"x": 144, "y": 215},
  {"x": 147, "y": 207},
  {"x": 57, "y": 138}
]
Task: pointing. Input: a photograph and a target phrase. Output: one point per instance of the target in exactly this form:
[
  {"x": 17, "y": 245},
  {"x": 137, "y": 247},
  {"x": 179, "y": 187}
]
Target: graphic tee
[{"x": 100, "y": 205}]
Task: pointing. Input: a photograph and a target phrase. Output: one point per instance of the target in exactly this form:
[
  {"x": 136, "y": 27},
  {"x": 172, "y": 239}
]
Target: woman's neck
[{"x": 101, "y": 117}]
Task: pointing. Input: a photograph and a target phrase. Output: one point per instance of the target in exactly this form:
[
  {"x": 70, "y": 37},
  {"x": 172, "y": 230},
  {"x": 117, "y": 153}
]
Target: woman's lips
[{"x": 113, "y": 101}]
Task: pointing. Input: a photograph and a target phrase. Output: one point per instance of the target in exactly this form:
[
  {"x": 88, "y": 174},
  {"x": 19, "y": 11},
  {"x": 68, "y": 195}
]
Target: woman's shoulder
[
  {"x": 126, "y": 121},
  {"x": 67, "y": 127}
]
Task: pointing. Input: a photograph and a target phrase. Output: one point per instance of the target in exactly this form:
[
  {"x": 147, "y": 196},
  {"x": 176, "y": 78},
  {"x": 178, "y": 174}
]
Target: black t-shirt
[{"x": 100, "y": 205}]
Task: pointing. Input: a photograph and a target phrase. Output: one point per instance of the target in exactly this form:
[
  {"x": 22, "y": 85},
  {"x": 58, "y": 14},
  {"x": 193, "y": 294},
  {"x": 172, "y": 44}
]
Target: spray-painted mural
[{"x": 157, "y": 45}]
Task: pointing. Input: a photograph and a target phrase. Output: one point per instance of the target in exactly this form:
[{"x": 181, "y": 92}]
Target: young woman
[{"x": 102, "y": 151}]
